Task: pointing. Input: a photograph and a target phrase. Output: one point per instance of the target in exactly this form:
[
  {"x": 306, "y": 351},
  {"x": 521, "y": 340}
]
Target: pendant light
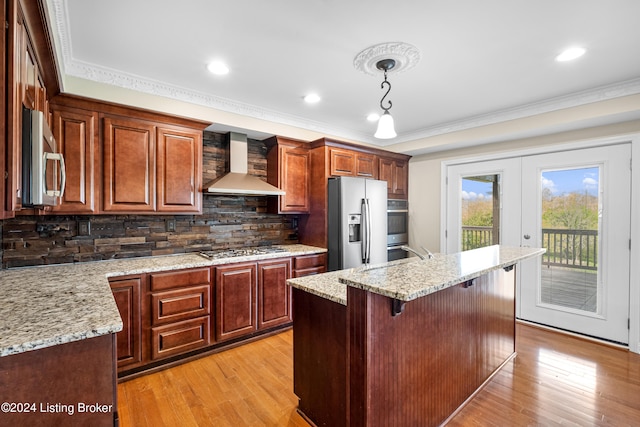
[{"x": 386, "y": 129}]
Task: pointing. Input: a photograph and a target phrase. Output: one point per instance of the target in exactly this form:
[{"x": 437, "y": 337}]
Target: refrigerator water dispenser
[{"x": 354, "y": 227}]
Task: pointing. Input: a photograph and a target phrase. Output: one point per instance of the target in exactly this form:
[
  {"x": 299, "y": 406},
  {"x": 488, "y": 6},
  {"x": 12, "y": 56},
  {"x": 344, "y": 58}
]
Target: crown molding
[{"x": 576, "y": 99}]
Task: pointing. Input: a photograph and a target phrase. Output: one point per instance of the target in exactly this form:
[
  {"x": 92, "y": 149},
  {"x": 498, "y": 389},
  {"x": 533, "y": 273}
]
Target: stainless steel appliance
[
  {"x": 43, "y": 172},
  {"x": 397, "y": 228},
  {"x": 356, "y": 222}
]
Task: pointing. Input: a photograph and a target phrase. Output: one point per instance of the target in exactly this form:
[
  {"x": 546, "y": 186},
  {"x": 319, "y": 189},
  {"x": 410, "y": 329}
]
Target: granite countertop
[
  {"x": 49, "y": 305},
  {"x": 413, "y": 278}
]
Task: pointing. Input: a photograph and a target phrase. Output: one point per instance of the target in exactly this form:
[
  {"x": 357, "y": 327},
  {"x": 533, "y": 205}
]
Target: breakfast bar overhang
[{"x": 405, "y": 343}]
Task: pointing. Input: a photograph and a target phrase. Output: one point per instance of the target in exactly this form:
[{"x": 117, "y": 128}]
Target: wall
[{"x": 226, "y": 221}]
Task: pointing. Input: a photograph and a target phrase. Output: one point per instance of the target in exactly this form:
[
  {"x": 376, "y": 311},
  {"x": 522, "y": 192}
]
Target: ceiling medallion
[{"x": 405, "y": 55}]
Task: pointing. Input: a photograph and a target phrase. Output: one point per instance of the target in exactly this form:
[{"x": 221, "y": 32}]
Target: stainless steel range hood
[{"x": 238, "y": 181}]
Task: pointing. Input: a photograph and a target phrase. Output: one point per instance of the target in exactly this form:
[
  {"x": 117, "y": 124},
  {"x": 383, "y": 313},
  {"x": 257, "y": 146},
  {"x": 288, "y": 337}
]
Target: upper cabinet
[
  {"x": 29, "y": 78},
  {"x": 179, "y": 169},
  {"x": 289, "y": 168},
  {"x": 396, "y": 173},
  {"x": 76, "y": 132},
  {"x": 129, "y": 165},
  {"x": 125, "y": 160},
  {"x": 344, "y": 162}
]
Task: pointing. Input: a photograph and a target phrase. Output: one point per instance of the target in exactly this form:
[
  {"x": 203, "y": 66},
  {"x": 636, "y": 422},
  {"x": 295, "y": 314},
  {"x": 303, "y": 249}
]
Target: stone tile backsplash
[{"x": 225, "y": 222}]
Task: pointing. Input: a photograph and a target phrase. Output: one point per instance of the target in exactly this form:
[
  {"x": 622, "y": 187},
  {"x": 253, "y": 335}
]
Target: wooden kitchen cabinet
[
  {"x": 3, "y": 116},
  {"x": 344, "y": 162},
  {"x": 306, "y": 265},
  {"x": 274, "y": 295},
  {"x": 396, "y": 173},
  {"x": 150, "y": 167},
  {"x": 288, "y": 168},
  {"x": 150, "y": 162},
  {"x": 129, "y": 165},
  {"x": 76, "y": 132},
  {"x": 180, "y": 311},
  {"x": 235, "y": 300},
  {"x": 179, "y": 163},
  {"x": 127, "y": 293}
]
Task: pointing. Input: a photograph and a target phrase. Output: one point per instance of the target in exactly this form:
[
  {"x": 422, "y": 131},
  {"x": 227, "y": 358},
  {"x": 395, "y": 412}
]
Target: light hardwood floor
[{"x": 555, "y": 380}]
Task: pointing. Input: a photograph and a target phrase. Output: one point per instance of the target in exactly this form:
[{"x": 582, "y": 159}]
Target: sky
[{"x": 557, "y": 181}]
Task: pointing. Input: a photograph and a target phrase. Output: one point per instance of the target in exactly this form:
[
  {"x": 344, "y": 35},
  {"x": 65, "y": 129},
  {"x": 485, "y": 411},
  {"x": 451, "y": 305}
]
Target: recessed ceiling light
[
  {"x": 312, "y": 98},
  {"x": 373, "y": 117},
  {"x": 218, "y": 68},
  {"x": 571, "y": 54}
]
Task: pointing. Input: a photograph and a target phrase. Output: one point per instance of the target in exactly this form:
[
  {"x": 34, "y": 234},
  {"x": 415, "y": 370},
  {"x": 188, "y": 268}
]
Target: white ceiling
[{"x": 482, "y": 62}]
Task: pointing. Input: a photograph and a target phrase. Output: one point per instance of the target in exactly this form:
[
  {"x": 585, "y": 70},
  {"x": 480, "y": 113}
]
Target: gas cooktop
[{"x": 230, "y": 253}]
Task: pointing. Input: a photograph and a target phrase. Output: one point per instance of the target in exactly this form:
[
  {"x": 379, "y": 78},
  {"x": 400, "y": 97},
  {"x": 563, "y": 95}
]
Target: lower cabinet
[
  {"x": 274, "y": 296},
  {"x": 180, "y": 311},
  {"x": 126, "y": 292},
  {"x": 171, "y": 313},
  {"x": 180, "y": 337},
  {"x": 235, "y": 301},
  {"x": 306, "y": 265}
]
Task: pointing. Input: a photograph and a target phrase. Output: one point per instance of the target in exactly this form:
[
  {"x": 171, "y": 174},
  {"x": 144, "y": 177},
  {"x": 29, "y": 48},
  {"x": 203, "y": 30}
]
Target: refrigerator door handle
[
  {"x": 364, "y": 241},
  {"x": 368, "y": 231}
]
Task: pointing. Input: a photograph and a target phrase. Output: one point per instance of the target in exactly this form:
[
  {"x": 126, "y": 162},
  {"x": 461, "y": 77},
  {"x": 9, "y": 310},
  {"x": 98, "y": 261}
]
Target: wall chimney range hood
[{"x": 238, "y": 181}]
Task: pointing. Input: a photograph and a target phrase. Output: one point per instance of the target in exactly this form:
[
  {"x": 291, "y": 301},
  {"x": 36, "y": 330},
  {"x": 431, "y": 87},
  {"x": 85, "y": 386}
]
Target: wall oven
[{"x": 397, "y": 228}]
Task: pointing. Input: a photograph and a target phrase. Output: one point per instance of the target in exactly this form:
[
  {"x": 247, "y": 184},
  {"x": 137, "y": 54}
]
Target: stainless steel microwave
[{"x": 43, "y": 171}]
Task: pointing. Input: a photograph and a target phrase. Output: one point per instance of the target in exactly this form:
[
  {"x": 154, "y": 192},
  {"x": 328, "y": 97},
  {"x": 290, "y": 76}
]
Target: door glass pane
[
  {"x": 480, "y": 211},
  {"x": 570, "y": 233}
]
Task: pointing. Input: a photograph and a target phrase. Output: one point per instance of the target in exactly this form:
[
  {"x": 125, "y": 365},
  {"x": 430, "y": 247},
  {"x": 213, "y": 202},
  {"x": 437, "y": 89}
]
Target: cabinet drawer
[
  {"x": 309, "y": 271},
  {"x": 309, "y": 261},
  {"x": 180, "y": 304},
  {"x": 181, "y": 337},
  {"x": 177, "y": 279}
]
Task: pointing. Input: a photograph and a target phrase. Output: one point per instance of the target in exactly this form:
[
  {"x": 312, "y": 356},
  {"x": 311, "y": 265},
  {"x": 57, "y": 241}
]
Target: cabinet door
[
  {"x": 294, "y": 173},
  {"x": 395, "y": 172},
  {"x": 274, "y": 296},
  {"x": 126, "y": 293},
  {"x": 75, "y": 133},
  {"x": 129, "y": 165},
  {"x": 401, "y": 179},
  {"x": 342, "y": 162},
  {"x": 366, "y": 165},
  {"x": 179, "y": 158},
  {"x": 16, "y": 88},
  {"x": 235, "y": 301}
]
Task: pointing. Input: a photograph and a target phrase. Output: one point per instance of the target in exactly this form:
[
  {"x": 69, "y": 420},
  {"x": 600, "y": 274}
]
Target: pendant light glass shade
[{"x": 386, "y": 128}]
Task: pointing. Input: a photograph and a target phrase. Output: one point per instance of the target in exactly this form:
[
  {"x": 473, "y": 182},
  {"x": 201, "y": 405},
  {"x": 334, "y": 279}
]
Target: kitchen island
[{"x": 405, "y": 343}]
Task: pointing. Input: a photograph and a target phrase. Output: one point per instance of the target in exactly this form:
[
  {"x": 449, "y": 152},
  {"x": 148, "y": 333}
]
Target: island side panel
[
  {"x": 418, "y": 367},
  {"x": 320, "y": 358},
  {"x": 496, "y": 333},
  {"x": 66, "y": 384}
]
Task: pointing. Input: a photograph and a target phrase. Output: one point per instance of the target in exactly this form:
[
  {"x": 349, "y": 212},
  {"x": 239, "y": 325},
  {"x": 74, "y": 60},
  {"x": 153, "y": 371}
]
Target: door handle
[{"x": 527, "y": 237}]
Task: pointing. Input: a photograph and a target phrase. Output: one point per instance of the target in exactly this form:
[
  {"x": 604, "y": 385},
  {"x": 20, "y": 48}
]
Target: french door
[
  {"x": 574, "y": 203},
  {"x": 577, "y": 205}
]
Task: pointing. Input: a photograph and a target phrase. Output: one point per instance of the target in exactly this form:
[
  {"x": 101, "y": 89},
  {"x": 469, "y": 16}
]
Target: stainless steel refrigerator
[{"x": 356, "y": 222}]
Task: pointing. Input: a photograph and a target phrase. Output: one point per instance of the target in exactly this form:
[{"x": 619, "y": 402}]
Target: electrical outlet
[
  {"x": 84, "y": 228},
  {"x": 170, "y": 225}
]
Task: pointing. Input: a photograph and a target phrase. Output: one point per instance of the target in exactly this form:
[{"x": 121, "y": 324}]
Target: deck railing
[{"x": 566, "y": 248}]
